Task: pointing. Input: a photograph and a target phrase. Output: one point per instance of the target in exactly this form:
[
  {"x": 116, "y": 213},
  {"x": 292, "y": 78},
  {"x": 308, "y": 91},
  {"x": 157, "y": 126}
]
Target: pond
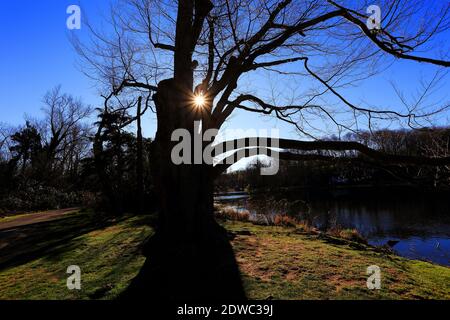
[{"x": 419, "y": 225}]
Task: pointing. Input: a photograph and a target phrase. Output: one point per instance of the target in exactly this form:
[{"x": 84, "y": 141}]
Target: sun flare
[{"x": 199, "y": 100}]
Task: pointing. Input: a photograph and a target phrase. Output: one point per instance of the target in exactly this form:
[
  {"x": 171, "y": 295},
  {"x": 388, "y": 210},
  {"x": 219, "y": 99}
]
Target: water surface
[{"x": 420, "y": 224}]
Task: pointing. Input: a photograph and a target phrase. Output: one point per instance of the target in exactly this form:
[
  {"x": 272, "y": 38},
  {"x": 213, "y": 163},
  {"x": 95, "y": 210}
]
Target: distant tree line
[
  {"x": 60, "y": 161},
  {"x": 430, "y": 142}
]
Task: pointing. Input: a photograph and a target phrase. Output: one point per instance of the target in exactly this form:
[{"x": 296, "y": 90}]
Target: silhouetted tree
[
  {"x": 119, "y": 161},
  {"x": 205, "y": 48},
  {"x": 26, "y": 146}
]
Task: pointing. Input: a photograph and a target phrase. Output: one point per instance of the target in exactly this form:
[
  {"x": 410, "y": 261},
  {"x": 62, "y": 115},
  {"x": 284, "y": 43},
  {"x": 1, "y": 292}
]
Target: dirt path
[{"x": 35, "y": 217}]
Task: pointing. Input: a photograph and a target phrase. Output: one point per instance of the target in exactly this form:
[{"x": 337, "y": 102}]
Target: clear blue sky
[{"x": 36, "y": 55}]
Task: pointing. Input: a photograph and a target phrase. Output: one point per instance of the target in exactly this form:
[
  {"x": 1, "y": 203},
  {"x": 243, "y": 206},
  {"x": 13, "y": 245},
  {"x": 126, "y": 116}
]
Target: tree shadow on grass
[
  {"x": 109, "y": 255},
  {"x": 199, "y": 269},
  {"x": 22, "y": 244},
  {"x": 206, "y": 270}
]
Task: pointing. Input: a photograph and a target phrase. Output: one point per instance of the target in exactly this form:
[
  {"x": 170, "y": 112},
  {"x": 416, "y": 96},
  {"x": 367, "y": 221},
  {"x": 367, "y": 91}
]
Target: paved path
[{"x": 35, "y": 217}]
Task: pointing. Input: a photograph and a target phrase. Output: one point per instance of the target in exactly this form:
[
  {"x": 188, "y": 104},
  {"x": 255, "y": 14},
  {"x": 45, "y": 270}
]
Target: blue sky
[{"x": 36, "y": 55}]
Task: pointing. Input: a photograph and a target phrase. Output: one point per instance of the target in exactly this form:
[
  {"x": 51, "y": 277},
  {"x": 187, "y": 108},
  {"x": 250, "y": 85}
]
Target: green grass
[
  {"x": 109, "y": 258},
  {"x": 275, "y": 262}
]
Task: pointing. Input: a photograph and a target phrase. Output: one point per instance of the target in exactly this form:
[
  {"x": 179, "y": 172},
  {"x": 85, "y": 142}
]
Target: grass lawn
[
  {"x": 108, "y": 257},
  {"x": 275, "y": 262}
]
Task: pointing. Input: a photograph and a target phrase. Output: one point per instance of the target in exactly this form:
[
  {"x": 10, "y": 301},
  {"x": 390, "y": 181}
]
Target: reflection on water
[
  {"x": 231, "y": 196},
  {"x": 420, "y": 225}
]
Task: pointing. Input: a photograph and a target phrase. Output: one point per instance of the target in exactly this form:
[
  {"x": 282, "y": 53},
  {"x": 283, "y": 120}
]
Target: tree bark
[
  {"x": 189, "y": 257},
  {"x": 139, "y": 160},
  {"x": 100, "y": 166}
]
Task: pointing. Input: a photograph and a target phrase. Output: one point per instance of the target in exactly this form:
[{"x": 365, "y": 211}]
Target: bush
[
  {"x": 32, "y": 198},
  {"x": 90, "y": 199},
  {"x": 229, "y": 213},
  {"x": 284, "y": 221},
  {"x": 14, "y": 203},
  {"x": 348, "y": 234}
]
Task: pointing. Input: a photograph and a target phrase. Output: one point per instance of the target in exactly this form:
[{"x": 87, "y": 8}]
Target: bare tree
[
  {"x": 5, "y": 142},
  {"x": 182, "y": 50},
  {"x": 64, "y": 131}
]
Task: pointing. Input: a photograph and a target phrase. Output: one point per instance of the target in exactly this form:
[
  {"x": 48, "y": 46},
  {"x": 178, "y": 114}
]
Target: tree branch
[
  {"x": 376, "y": 155},
  {"x": 385, "y": 46}
]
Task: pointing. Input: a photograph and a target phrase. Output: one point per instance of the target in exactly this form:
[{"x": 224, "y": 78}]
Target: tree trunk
[
  {"x": 189, "y": 257},
  {"x": 139, "y": 160},
  {"x": 105, "y": 179}
]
